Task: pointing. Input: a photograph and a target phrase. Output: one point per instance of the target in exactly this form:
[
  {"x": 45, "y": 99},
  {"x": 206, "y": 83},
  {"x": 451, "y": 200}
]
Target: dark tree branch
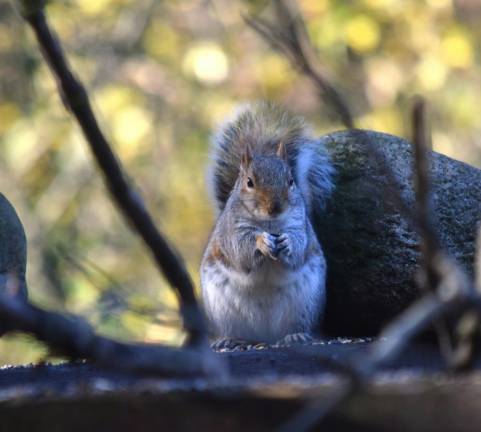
[
  {"x": 76, "y": 100},
  {"x": 74, "y": 337}
]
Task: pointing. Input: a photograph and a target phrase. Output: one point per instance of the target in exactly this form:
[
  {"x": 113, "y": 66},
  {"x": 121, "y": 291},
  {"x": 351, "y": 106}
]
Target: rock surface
[
  {"x": 13, "y": 246},
  {"x": 371, "y": 250}
]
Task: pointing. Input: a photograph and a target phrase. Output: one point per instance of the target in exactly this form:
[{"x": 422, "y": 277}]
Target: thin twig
[
  {"x": 429, "y": 273},
  {"x": 430, "y": 245},
  {"x": 289, "y": 36},
  {"x": 128, "y": 200}
]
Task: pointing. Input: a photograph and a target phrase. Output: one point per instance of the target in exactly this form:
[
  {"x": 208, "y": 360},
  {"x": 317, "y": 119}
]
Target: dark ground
[{"x": 268, "y": 386}]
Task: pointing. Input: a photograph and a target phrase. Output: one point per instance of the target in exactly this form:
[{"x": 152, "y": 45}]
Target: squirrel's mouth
[
  {"x": 269, "y": 211},
  {"x": 262, "y": 211},
  {"x": 265, "y": 215}
]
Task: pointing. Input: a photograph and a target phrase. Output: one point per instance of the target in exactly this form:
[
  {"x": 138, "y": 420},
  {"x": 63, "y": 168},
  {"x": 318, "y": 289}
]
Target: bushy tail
[{"x": 263, "y": 125}]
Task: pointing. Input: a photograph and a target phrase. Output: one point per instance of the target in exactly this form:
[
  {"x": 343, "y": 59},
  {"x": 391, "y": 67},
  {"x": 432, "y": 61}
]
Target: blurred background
[{"x": 162, "y": 75}]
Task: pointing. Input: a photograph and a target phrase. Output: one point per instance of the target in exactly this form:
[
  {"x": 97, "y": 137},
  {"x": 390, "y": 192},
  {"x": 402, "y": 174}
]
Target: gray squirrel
[{"x": 263, "y": 271}]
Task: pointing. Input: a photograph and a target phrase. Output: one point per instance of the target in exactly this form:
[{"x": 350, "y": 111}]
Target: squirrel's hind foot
[
  {"x": 227, "y": 344},
  {"x": 294, "y": 339}
]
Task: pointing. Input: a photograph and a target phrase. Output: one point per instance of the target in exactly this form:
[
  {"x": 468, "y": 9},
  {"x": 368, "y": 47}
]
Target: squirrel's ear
[
  {"x": 246, "y": 156},
  {"x": 281, "y": 150}
]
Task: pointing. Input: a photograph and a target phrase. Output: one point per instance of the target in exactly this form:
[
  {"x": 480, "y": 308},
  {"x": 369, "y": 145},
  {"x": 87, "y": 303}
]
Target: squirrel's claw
[
  {"x": 227, "y": 344},
  {"x": 267, "y": 244},
  {"x": 284, "y": 244},
  {"x": 294, "y": 339}
]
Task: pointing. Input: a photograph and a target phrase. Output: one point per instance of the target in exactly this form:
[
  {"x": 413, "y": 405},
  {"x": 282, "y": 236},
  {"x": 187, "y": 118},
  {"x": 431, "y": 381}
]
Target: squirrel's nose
[{"x": 275, "y": 208}]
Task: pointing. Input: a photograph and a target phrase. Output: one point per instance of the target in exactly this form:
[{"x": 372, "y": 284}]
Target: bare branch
[
  {"x": 430, "y": 244},
  {"x": 128, "y": 200},
  {"x": 74, "y": 337},
  {"x": 289, "y": 36},
  {"x": 429, "y": 273}
]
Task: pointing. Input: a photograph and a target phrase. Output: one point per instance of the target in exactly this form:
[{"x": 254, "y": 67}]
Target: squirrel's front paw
[
  {"x": 284, "y": 245},
  {"x": 266, "y": 244}
]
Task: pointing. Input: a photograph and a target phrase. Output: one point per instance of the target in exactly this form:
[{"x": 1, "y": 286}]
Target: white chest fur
[{"x": 267, "y": 304}]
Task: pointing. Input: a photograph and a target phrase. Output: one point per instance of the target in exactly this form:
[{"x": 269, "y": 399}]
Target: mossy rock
[
  {"x": 13, "y": 246},
  {"x": 371, "y": 249}
]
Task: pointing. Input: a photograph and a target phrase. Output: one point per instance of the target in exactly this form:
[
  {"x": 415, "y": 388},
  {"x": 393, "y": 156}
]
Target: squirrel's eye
[{"x": 250, "y": 183}]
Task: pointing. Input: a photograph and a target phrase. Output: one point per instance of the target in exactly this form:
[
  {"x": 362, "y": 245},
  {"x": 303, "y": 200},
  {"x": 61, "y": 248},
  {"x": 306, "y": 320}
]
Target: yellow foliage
[
  {"x": 384, "y": 120},
  {"x": 456, "y": 49},
  {"x": 384, "y": 78},
  {"x": 129, "y": 123},
  {"x": 273, "y": 72},
  {"x": 385, "y": 5},
  {"x": 19, "y": 145},
  {"x": 130, "y": 126},
  {"x": 216, "y": 108},
  {"x": 134, "y": 323},
  {"x": 44, "y": 82},
  {"x": 9, "y": 114},
  {"x": 442, "y": 143},
  {"x": 440, "y": 4},
  {"x": 94, "y": 7},
  {"x": 64, "y": 22},
  {"x": 162, "y": 334},
  {"x": 316, "y": 7},
  {"x": 7, "y": 40},
  {"x": 81, "y": 294},
  {"x": 207, "y": 62},
  {"x": 431, "y": 73},
  {"x": 324, "y": 31},
  {"x": 111, "y": 98},
  {"x": 362, "y": 33},
  {"x": 464, "y": 108},
  {"x": 18, "y": 349},
  {"x": 161, "y": 41}
]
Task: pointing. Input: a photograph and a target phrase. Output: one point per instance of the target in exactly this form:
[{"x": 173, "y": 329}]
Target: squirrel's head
[{"x": 266, "y": 185}]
